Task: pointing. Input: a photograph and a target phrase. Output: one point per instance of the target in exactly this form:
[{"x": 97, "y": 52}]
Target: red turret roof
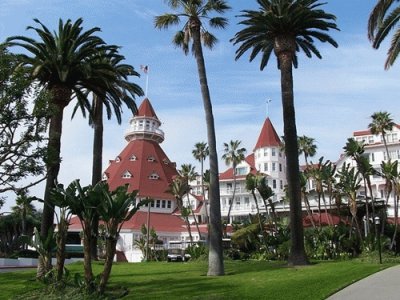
[
  {"x": 146, "y": 109},
  {"x": 268, "y": 136},
  {"x": 140, "y": 160}
]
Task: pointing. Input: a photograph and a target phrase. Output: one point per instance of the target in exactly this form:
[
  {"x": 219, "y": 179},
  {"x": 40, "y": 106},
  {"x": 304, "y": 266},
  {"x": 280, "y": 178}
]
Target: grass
[{"x": 243, "y": 280}]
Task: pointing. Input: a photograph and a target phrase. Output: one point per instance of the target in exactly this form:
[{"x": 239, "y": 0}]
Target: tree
[
  {"x": 251, "y": 185},
  {"x": 382, "y": 20},
  {"x": 76, "y": 53},
  {"x": 23, "y": 209},
  {"x": 233, "y": 155},
  {"x": 286, "y": 27},
  {"x": 179, "y": 187},
  {"x": 381, "y": 123},
  {"x": 121, "y": 90},
  {"x": 189, "y": 174},
  {"x": 200, "y": 153},
  {"x": 307, "y": 147},
  {"x": 116, "y": 207},
  {"x": 266, "y": 193},
  {"x": 21, "y": 130},
  {"x": 195, "y": 11}
]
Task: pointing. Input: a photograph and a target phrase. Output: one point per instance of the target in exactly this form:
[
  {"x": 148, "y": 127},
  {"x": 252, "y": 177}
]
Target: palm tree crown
[
  {"x": 307, "y": 147},
  {"x": 381, "y": 123},
  {"x": 194, "y": 12},
  {"x": 382, "y": 20},
  {"x": 279, "y": 24}
]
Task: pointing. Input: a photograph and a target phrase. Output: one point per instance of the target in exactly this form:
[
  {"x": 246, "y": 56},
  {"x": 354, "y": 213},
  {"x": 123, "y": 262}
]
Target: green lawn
[{"x": 243, "y": 280}]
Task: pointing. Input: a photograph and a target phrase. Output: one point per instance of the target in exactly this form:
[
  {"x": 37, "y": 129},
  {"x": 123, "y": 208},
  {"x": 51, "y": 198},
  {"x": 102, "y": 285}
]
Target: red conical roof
[
  {"x": 146, "y": 109},
  {"x": 268, "y": 136},
  {"x": 146, "y": 168}
]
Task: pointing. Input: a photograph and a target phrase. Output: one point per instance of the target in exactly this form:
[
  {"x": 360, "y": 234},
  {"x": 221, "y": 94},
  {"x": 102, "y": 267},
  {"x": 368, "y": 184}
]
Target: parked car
[{"x": 176, "y": 254}]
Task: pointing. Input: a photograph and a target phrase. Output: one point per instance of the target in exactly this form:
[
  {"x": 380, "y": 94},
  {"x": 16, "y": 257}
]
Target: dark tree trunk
[
  {"x": 215, "y": 255},
  {"x": 97, "y": 164},
  {"x": 60, "y": 99},
  {"x": 284, "y": 49},
  {"x": 111, "y": 244},
  {"x": 87, "y": 258}
]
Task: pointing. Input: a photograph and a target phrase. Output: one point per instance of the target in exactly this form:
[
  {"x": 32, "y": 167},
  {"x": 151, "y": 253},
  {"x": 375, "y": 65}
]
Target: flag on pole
[{"x": 145, "y": 69}]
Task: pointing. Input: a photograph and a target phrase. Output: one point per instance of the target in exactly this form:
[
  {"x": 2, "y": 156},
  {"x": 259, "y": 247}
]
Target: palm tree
[
  {"x": 307, "y": 147},
  {"x": 24, "y": 208},
  {"x": 65, "y": 63},
  {"x": 284, "y": 27},
  {"x": 200, "y": 153},
  {"x": 266, "y": 193},
  {"x": 189, "y": 174},
  {"x": 120, "y": 89},
  {"x": 251, "y": 185},
  {"x": 390, "y": 172},
  {"x": 381, "y": 123},
  {"x": 179, "y": 187},
  {"x": 382, "y": 20},
  {"x": 195, "y": 11},
  {"x": 233, "y": 155}
]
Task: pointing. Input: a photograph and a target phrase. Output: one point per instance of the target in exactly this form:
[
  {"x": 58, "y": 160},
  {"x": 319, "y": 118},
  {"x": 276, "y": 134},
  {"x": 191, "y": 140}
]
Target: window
[
  {"x": 281, "y": 184},
  {"x": 163, "y": 204},
  {"x": 372, "y": 157},
  {"x": 265, "y": 152},
  {"x": 273, "y": 166},
  {"x": 237, "y": 201},
  {"x": 133, "y": 158},
  {"x": 117, "y": 159},
  {"x": 154, "y": 176},
  {"x": 274, "y": 184},
  {"x": 127, "y": 174},
  {"x": 370, "y": 139},
  {"x": 241, "y": 171},
  {"x": 280, "y": 154},
  {"x": 168, "y": 204},
  {"x": 246, "y": 201},
  {"x": 151, "y": 159},
  {"x": 273, "y": 150},
  {"x": 165, "y": 161},
  {"x": 105, "y": 176},
  {"x": 280, "y": 167},
  {"x": 266, "y": 167},
  {"x": 158, "y": 203}
]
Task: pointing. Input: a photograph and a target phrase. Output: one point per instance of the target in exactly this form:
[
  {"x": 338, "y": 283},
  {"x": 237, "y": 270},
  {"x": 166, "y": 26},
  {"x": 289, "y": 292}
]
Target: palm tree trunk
[
  {"x": 87, "y": 258},
  {"x": 233, "y": 194},
  {"x": 258, "y": 212},
  {"x": 202, "y": 189},
  {"x": 60, "y": 97},
  {"x": 61, "y": 240},
  {"x": 97, "y": 163},
  {"x": 297, "y": 252},
  {"x": 215, "y": 255}
]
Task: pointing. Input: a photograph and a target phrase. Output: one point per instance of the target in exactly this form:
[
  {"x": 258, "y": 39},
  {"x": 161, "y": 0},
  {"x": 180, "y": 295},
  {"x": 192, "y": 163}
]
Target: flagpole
[
  {"x": 268, "y": 102},
  {"x": 147, "y": 81}
]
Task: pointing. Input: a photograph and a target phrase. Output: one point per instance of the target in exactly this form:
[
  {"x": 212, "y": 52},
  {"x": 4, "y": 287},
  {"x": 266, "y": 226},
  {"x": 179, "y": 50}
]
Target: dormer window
[
  {"x": 165, "y": 161},
  {"x": 105, "y": 176},
  {"x": 127, "y": 175},
  {"x": 117, "y": 159},
  {"x": 154, "y": 176},
  {"x": 133, "y": 158},
  {"x": 151, "y": 159}
]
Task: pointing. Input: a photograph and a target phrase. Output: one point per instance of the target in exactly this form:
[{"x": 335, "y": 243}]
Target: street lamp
[{"x": 378, "y": 235}]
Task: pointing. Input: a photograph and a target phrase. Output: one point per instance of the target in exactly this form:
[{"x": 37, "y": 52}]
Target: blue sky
[{"x": 333, "y": 96}]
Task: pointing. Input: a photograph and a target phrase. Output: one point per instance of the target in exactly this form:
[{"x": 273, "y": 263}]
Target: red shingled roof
[
  {"x": 268, "y": 136},
  {"x": 228, "y": 174},
  {"x": 146, "y": 109},
  {"x": 150, "y": 159}
]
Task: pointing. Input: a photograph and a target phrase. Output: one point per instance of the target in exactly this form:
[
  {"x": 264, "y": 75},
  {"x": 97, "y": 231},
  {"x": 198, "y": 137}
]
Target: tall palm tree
[
  {"x": 121, "y": 90},
  {"x": 383, "y": 18},
  {"x": 251, "y": 185},
  {"x": 285, "y": 27},
  {"x": 200, "y": 153},
  {"x": 233, "y": 156},
  {"x": 307, "y": 147},
  {"x": 65, "y": 63},
  {"x": 195, "y": 11},
  {"x": 381, "y": 123},
  {"x": 390, "y": 172}
]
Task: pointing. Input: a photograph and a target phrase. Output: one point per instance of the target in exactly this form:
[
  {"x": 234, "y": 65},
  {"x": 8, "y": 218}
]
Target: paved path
[{"x": 384, "y": 285}]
